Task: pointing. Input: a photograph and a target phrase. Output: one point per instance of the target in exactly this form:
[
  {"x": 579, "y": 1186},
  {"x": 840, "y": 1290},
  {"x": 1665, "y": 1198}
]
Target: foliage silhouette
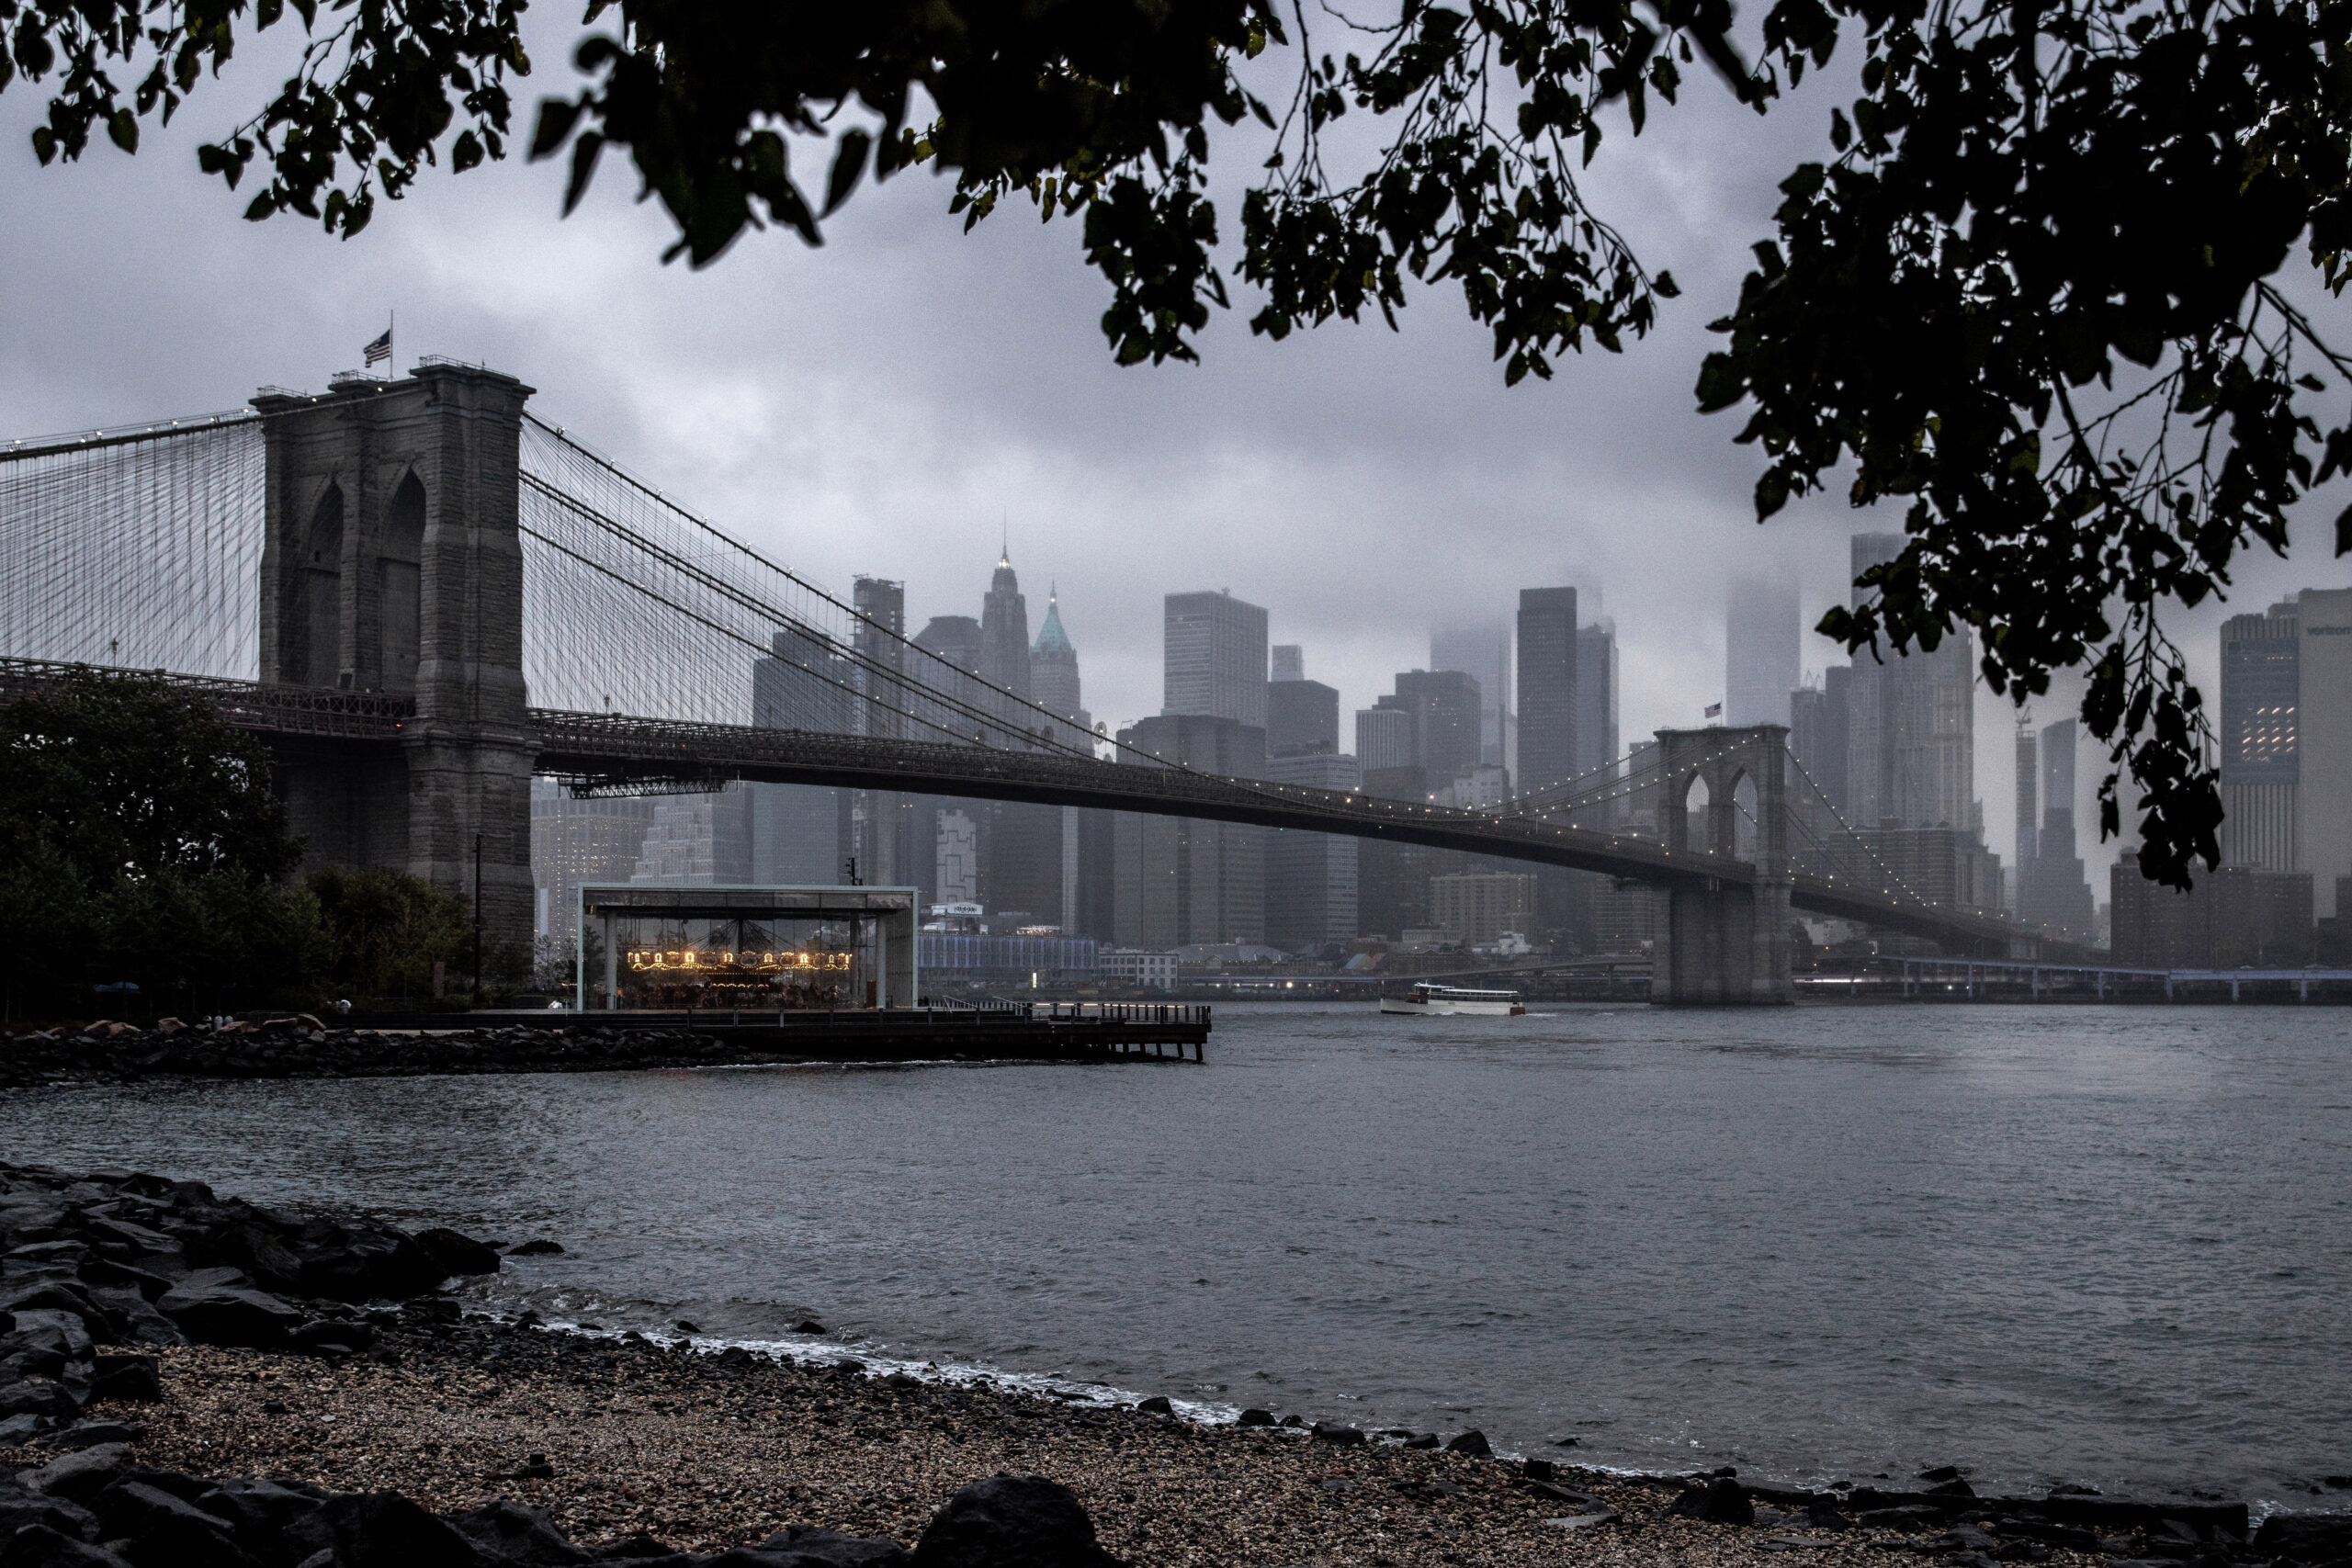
[{"x": 2040, "y": 295}]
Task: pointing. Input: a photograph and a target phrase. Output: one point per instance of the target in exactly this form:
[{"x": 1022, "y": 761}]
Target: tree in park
[
  {"x": 385, "y": 930},
  {"x": 2046, "y": 290},
  {"x": 139, "y": 844}
]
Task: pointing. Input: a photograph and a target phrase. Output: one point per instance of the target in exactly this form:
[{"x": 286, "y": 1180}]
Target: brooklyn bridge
[{"x": 423, "y": 595}]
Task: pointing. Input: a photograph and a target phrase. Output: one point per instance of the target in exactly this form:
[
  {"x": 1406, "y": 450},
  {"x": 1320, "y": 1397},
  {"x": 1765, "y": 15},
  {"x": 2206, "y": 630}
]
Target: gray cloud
[{"x": 886, "y": 404}]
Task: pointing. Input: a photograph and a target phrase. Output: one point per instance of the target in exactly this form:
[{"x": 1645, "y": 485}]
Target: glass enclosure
[{"x": 745, "y": 949}]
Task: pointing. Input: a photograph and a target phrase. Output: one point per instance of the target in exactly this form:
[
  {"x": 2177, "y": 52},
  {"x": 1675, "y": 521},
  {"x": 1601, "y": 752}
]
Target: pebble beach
[{"x": 627, "y": 1441}]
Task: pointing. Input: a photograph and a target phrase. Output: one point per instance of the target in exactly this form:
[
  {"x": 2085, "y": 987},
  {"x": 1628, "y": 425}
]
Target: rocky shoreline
[
  {"x": 391, "y": 1427},
  {"x": 305, "y": 1047}
]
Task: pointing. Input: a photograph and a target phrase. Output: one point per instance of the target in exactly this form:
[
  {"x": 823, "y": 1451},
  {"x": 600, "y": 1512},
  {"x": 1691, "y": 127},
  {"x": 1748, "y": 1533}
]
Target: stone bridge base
[{"x": 1725, "y": 945}]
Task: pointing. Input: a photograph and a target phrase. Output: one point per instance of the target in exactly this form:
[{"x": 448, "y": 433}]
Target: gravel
[{"x": 619, "y": 1437}]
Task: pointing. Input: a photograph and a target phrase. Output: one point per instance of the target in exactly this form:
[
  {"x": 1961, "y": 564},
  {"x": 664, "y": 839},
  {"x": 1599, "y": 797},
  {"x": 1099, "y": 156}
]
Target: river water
[{"x": 2110, "y": 1246}]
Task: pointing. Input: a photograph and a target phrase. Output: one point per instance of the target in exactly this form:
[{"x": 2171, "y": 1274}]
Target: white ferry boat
[{"x": 1441, "y": 999}]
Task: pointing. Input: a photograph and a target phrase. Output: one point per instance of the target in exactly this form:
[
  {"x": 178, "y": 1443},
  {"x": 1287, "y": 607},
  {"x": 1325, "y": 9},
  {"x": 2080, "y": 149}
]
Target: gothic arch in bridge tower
[
  {"x": 1725, "y": 943},
  {"x": 1695, "y": 797},
  {"x": 399, "y": 564},
  {"x": 315, "y": 617},
  {"x": 1744, "y": 817}
]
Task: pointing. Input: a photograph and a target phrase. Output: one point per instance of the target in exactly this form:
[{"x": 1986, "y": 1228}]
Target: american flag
[
  {"x": 380, "y": 350},
  {"x": 1714, "y": 710}
]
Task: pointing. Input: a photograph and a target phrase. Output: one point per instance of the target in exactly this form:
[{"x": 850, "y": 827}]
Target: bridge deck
[{"x": 617, "y": 750}]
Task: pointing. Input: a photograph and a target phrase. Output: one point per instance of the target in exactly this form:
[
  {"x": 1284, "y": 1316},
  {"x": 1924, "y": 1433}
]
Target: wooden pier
[{"x": 990, "y": 1030}]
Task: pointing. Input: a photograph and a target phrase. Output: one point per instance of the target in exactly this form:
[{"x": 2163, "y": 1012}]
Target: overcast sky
[{"x": 885, "y": 404}]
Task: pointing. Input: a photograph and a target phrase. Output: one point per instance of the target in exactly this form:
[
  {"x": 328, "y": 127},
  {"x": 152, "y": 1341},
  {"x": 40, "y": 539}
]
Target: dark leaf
[
  {"x": 849, "y": 164},
  {"x": 556, "y": 117}
]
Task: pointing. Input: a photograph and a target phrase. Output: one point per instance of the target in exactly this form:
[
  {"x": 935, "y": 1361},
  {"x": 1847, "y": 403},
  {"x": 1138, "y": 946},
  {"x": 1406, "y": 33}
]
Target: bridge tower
[
  {"x": 1725, "y": 943},
  {"x": 393, "y": 564}
]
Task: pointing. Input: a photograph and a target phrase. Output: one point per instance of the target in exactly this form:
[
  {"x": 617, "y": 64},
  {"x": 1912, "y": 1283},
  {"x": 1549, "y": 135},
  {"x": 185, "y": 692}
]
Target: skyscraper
[
  {"x": 1764, "y": 635},
  {"x": 575, "y": 841},
  {"x": 1911, "y": 737},
  {"x": 2054, "y": 892},
  {"x": 1053, "y": 674},
  {"x": 1019, "y": 844},
  {"x": 796, "y": 832},
  {"x": 1480, "y": 648},
  {"x": 1413, "y": 743},
  {"x": 938, "y": 845},
  {"x": 1548, "y": 750},
  {"x": 2324, "y": 744},
  {"x": 2287, "y": 741},
  {"x": 1596, "y": 695},
  {"x": 1444, "y": 706},
  {"x": 881, "y": 606},
  {"x": 956, "y": 639},
  {"x": 1302, "y": 715},
  {"x": 1179, "y": 880},
  {"x": 2029, "y": 809},
  {"x": 881, "y": 820},
  {"x": 2261, "y": 691},
  {"x": 1214, "y": 658},
  {"x": 1817, "y": 735},
  {"x": 803, "y": 684},
  {"x": 1053, "y": 683},
  {"x": 1311, "y": 878},
  {"x": 1005, "y": 641},
  {"x": 1384, "y": 747}
]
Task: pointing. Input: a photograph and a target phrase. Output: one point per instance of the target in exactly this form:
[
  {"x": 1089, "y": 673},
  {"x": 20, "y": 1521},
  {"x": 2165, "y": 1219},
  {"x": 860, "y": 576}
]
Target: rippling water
[{"x": 2107, "y": 1246}]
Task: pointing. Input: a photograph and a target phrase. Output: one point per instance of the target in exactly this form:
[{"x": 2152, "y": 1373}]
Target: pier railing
[{"x": 1187, "y": 1014}]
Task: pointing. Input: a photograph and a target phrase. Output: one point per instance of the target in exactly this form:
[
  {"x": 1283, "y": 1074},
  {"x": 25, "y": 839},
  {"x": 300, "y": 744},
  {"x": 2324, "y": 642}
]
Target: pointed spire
[{"x": 1051, "y": 639}]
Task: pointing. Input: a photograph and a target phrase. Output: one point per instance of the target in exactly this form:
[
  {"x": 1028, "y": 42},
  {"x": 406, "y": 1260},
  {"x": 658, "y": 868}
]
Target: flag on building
[
  {"x": 380, "y": 350},
  {"x": 1714, "y": 710}
]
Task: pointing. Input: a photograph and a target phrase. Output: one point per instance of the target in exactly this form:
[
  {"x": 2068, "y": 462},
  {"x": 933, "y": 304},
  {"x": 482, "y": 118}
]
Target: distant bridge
[
  {"x": 402, "y": 561},
  {"x": 603, "y": 750}
]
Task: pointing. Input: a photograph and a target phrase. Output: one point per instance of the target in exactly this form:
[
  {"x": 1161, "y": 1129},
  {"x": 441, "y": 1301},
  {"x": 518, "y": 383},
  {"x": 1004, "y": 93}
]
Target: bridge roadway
[{"x": 612, "y": 749}]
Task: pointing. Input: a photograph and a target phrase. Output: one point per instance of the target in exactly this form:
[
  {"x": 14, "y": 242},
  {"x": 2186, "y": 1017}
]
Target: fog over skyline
[{"x": 888, "y": 404}]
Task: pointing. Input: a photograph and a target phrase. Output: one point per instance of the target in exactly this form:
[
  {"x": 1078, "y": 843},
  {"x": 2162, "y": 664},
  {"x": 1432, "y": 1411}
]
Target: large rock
[
  {"x": 516, "y": 1533},
  {"x": 80, "y": 1476},
  {"x": 257, "y": 1250},
  {"x": 334, "y": 1335},
  {"x": 47, "y": 1337},
  {"x": 20, "y": 1507},
  {"x": 804, "y": 1546},
  {"x": 455, "y": 1253},
  {"x": 266, "y": 1516},
  {"x": 383, "y": 1529},
  {"x": 361, "y": 1264},
  {"x": 31, "y": 1356},
  {"x": 1011, "y": 1521},
  {"x": 1722, "y": 1501},
  {"x": 53, "y": 1399},
  {"x": 218, "y": 1313},
  {"x": 2305, "y": 1538},
  {"x": 137, "y": 1321},
  {"x": 164, "y": 1530},
  {"x": 135, "y": 1378},
  {"x": 37, "y": 1546}
]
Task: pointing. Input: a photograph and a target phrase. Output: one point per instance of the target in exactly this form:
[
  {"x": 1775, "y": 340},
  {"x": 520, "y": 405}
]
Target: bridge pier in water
[
  {"x": 1724, "y": 943},
  {"x": 393, "y": 564}
]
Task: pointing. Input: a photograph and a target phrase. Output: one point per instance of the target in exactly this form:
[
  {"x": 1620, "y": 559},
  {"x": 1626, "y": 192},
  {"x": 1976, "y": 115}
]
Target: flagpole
[{"x": 392, "y": 326}]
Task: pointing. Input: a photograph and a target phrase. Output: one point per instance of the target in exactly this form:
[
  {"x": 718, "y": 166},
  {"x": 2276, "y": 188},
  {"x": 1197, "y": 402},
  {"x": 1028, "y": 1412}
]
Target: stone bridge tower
[
  {"x": 393, "y": 565},
  {"x": 1726, "y": 943}
]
